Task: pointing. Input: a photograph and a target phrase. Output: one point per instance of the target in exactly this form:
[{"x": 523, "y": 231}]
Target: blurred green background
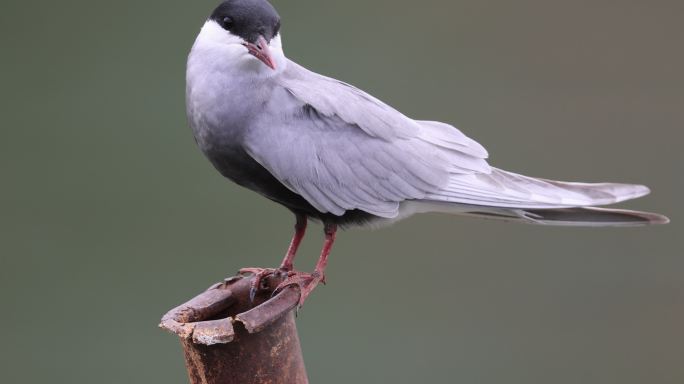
[{"x": 109, "y": 214}]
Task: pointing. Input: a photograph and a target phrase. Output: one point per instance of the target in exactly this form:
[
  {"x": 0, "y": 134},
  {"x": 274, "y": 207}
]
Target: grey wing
[
  {"x": 331, "y": 97},
  {"x": 342, "y": 149}
]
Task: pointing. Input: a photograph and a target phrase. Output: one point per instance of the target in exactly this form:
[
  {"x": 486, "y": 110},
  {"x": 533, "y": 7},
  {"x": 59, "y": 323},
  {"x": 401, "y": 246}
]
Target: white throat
[{"x": 218, "y": 49}]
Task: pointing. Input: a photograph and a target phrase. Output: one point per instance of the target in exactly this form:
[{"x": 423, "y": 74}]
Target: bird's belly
[{"x": 235, "y": 164}]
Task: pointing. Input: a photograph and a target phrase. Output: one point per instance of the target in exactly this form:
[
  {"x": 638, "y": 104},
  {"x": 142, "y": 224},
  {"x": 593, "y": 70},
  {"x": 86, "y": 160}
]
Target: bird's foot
[
  {"x": 260, "y": 275},
  {"x": 306, "y": 282}
]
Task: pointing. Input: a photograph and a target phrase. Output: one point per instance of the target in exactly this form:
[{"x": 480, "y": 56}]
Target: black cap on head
[{"x": 248, "y": 19}]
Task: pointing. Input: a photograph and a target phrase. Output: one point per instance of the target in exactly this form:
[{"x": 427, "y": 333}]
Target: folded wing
[{"x": 342, "y": 149}]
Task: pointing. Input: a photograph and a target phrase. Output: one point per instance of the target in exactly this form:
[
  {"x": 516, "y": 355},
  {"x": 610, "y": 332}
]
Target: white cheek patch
[
  {"x": 212, "y": 32},
  {"x": 277, "y": 52},
  {"x": 276, "y": 43},
  {"x": 217, "y": 45}
]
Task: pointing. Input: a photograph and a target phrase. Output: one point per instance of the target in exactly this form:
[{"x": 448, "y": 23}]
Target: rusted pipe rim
[{"x": 196, "y": 319}]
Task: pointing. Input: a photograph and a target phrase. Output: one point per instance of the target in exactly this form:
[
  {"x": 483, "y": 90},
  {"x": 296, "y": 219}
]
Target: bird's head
[{"x": 245, "y": 31}]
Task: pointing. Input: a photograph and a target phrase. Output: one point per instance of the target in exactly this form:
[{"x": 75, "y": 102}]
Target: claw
[
  {"x": 305, "y": 281},
  {"x": 259, "y": 275},
  {"x": 252, "y": 292}
]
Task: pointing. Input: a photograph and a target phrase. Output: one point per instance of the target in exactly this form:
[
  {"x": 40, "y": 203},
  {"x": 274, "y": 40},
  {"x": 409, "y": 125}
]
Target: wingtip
[
  {"x": 630, "y": 191},
  {"x": 642, "y": 190},
  {"x": 597, "y": 217},
  {"x": 648, "y": 218},
  {"x": 659, "y": 219}
]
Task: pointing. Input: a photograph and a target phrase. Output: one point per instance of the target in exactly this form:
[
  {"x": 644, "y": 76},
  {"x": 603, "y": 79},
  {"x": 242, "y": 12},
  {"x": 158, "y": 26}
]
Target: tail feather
[
  {"x": 510, "y": 190},
  {"x": 593, "y": 217},
  {"x": 569, "y": 217},
  {"x": 509, "y": 196}
]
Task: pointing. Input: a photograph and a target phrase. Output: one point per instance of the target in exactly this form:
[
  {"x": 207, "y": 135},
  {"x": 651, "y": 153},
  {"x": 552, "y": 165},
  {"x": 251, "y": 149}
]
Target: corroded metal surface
[{"x": 228, "y": 339}]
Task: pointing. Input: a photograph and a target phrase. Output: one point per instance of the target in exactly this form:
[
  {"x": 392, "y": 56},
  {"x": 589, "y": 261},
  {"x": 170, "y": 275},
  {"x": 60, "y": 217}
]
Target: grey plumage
[{"x": 327, "y": 149}]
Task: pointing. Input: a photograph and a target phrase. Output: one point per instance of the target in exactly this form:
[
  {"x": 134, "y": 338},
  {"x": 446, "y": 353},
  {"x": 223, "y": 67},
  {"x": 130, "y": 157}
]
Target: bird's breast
[
  {"x": 220, "y": 108},
  {"x": 219, "y": 111}
]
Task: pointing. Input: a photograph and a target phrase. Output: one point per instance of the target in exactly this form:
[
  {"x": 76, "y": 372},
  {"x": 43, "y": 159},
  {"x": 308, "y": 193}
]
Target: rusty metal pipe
[{"x": 229, "y": 340}]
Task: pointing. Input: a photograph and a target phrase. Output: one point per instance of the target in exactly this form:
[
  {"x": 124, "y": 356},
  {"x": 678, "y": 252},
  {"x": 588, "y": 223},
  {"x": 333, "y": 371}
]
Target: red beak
[{"x": 261, "y": 51}]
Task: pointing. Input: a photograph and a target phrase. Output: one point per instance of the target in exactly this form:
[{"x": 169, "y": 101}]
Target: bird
[{"x": 332, "y": 153}]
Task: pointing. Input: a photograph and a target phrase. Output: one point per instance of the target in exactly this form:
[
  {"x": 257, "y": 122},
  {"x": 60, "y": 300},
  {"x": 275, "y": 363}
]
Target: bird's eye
[{"x": 227, "y": 22}]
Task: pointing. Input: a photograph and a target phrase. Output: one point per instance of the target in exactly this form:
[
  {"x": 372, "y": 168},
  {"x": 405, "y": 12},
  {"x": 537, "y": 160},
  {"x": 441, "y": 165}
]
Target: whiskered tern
[{"x": 331, "y": 152}]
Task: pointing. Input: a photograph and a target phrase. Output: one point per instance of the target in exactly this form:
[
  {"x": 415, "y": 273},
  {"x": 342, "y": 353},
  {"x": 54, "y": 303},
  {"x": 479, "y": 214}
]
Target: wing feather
[
  {"x": 507, "y": 189},
  {"x": 342, "y": 149}
]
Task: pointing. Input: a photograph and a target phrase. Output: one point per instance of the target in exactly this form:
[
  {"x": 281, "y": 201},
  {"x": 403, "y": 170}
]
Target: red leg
[
  {"x": 330, "y": 234},
  {"x": 308, "y": 282},
  {"x": 287, "y": 263},
  {"x": 300, "y": 230}
]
